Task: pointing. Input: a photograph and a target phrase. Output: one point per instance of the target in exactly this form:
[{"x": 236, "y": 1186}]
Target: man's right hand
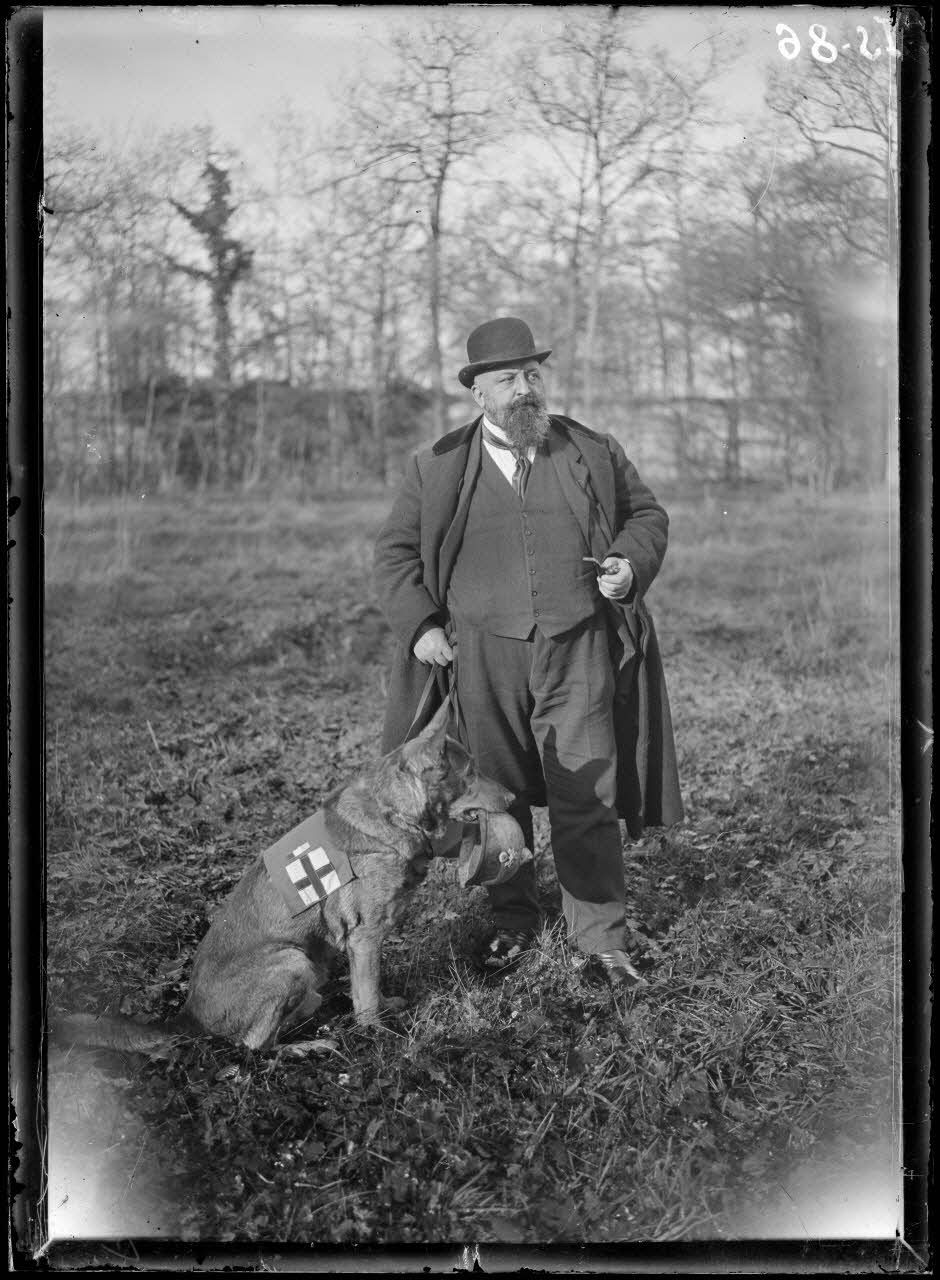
[{"x": 433, "y": 647}]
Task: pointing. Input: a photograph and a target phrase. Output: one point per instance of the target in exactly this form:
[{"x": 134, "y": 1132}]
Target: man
[{"x": 518, "y": 553}]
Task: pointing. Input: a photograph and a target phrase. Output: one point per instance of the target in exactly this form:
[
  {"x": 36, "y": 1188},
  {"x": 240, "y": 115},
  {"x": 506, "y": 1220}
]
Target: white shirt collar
[{"x": 498, "y": 432}]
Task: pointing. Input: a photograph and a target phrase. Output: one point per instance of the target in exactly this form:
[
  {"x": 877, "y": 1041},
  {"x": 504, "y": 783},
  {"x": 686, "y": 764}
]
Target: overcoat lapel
[
  {"x": 582, "y": 493},
  {"x": 465, "y": 459}
]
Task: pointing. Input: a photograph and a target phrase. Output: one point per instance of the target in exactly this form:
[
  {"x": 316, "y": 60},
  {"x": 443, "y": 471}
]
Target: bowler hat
[{"x": 497, "y": 343}]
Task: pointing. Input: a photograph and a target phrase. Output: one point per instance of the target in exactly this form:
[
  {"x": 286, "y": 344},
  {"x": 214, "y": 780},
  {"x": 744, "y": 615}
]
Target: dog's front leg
[{"x": 364, "y": 947}]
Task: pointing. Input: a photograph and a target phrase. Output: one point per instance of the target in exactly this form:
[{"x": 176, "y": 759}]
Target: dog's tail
[{"x": 105, "y": 1031}]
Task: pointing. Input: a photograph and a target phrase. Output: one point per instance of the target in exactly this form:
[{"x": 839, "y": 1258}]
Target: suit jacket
[{"x": 415, "y": 555}]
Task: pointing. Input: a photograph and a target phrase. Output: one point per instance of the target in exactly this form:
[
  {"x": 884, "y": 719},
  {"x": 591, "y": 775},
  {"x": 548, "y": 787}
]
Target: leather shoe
[
  {"x": 617, "y": 970},
  {"x": 503, "y": 948}
]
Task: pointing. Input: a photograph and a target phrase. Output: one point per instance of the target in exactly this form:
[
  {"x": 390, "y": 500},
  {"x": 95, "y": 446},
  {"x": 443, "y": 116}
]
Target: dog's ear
[
  {"x": 433, "y": 735},
  {"x": 430, "y": 743}
]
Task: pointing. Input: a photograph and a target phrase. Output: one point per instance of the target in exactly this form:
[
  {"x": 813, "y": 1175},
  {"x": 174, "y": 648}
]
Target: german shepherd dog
[{"x": 258, "y": 971}]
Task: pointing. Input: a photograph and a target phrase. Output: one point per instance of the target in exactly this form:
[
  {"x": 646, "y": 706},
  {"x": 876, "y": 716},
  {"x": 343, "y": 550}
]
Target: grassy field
[{"x": 214, "y": 667}]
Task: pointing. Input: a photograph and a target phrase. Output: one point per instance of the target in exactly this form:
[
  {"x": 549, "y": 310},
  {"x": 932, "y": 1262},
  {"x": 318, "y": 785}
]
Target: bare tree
[
  {"x": 383, "y": 232},
  {"x": 111, "y": 309},
  {"x": 419, "y": 127},
  {"x": 846, "y": 111},
  {"x": 613, "y": 117}
]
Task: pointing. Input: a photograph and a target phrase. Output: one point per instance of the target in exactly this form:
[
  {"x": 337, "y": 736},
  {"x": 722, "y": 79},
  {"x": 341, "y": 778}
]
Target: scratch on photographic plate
[{"x": 770, "y": 178}]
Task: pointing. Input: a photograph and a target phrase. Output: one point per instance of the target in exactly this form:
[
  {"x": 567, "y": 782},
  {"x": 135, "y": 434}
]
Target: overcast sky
[
  {"x": 125, "y": 68},
  {"x": 176, "y": 66},
  {"x": 119, "y": 71}
]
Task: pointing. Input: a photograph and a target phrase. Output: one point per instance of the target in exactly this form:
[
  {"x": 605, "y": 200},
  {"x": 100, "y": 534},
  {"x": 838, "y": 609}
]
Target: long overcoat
[{"x": 415, "y": 555}]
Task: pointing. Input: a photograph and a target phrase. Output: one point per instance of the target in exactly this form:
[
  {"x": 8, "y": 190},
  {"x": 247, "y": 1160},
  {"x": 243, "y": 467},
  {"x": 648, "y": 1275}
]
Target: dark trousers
[{"x": 538, "y": 715}]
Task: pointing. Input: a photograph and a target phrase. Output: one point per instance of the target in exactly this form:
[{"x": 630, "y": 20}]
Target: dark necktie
[{"x": 523, "y": 466}]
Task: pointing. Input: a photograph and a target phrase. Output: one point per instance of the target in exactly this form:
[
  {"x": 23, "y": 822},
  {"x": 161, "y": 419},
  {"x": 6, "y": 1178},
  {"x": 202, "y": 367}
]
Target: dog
[{"x": 258, "y": 971}]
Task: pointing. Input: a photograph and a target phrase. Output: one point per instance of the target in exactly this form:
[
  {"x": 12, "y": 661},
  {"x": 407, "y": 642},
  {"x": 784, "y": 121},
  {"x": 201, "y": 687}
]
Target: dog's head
[{"x": 438, "y": 779}]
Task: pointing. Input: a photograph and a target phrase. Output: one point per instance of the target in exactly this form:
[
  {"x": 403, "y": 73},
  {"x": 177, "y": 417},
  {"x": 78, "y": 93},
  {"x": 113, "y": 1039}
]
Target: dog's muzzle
[{"x": 484, "y": 795}]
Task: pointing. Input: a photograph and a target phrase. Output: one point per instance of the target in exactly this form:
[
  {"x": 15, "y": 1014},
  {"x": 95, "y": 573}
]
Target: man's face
[{"x": 513, "y": 399}]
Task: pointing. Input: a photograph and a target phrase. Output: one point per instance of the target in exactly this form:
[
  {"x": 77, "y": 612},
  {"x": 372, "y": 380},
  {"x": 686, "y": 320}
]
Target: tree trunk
[
  {"x": 169, "y": 471},
  {"x": 732, "y": 467},
  {"x": 733, "y": 442},
  {"x": 589, "y": 354},
  {"x": 679, "y": 446},
  {"x": 335, "y": 420},
  {"x": 149, "y": 409},
  {"x": 378, "y": 463},
  {"x": 254, "y": 464},
  {"x": 438, "y": 403},
  {"x": 104, "y": 429},
  {"x": 570, "y": 362},
  {"x": 222, "y": 370},
  {"x": 334, "y": 427},
  {"x": 222, "y": 433},
  {"x": 688, "y": 335},
  {"x": 759, "y": 379},
  {"x": 826, "y": 433}
]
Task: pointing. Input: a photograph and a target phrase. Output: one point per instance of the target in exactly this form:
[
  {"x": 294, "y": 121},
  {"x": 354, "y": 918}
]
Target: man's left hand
[{"x": 617, "y": 582}]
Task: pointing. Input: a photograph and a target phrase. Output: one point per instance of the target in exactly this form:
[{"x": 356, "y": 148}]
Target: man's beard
[{"x": 525, "y": 422}]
